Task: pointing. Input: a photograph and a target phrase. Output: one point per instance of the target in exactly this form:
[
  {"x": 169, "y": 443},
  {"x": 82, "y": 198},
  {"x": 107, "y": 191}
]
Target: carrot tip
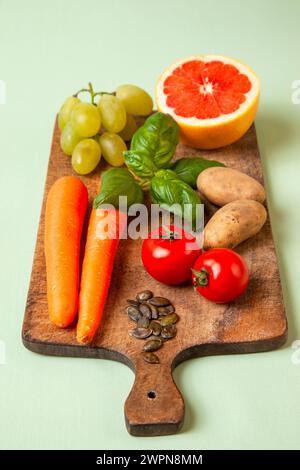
[
  {"x": 61, "y": 324},
  {"x": 85, "y": 339}
]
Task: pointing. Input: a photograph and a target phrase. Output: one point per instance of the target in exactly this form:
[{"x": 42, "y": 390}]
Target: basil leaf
[
  {"x": 117, "y": 182},
  {"x": 155, "y": 141},
  {"x": 167, "y": 174},
  {"x": 167, "y": 189},
  {"x": 140, "y": 164},
  {"x": 188, "y": 169}
]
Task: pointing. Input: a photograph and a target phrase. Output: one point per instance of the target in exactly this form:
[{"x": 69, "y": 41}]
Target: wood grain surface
[{"x": 255, "y": 322}]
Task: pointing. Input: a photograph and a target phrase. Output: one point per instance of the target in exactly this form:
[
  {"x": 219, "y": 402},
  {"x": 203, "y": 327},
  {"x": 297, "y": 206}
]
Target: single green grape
[
  {"x": 113, "y": 113},
  {"x": 129, "y": 129},
  {"x": 85, "y": 119},
  {"x": 66, "y": 110},
  {"x": 136, "y": 100},
  {"x": 86, "y": 156},
  {"x": 69, "y": 139},
  {"x": 112, "y": 146}
]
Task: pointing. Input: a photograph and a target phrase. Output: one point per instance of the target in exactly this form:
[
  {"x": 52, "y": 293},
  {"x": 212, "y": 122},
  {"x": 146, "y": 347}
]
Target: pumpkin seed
[
  {"x": 140, "y": 333},
  {"x": 168, "y": 331},
  {"x": 169, "y": 319},
  {"x": 155, "y": 327},
  {"x": 132, "y": 302},
  {"x": 166, "y": 310},
  {"x": 152, "y": 345},
  {"x": 133, "y": 313},
  {"x": 154, "y": 312},
  {"x": 143, "y": 322},
  {"x": 150, "y": 357},
  {"x": 155, "y": 337},
  {"x": 144, "y": 295},
  {"x": 159, "y": 301},
  {"x": 145, "y": 310}
]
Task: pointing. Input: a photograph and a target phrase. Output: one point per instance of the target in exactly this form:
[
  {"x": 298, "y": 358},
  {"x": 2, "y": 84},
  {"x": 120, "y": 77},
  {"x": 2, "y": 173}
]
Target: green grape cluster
[{"x": 102, "y": 127}]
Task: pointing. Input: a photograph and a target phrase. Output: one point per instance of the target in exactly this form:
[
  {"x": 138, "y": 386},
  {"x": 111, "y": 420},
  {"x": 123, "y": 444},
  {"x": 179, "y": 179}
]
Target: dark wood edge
[
  {"x": 218, "y": 349},
  {"x": 50, "y": 349},
  {"x": 199, "y": 350},
  {"x": 160, "y": 429}
]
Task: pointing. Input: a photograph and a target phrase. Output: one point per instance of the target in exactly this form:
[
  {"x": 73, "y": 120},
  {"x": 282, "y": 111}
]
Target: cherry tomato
[
  {"x": 169, "y": 254},
  {"x": 220, "y": 275}
]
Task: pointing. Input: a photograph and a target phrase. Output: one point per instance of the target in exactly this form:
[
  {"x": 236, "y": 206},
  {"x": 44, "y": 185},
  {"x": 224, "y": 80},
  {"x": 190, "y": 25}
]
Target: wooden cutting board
[{"x": 255, "y": 322}]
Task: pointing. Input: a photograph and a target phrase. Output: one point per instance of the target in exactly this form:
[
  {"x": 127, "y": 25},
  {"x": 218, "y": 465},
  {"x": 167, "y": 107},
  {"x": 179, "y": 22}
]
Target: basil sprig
[
  {"x": 174, "y": 195},
  {"x": 152, "y": 146},
  {"x": 149, "y": 165}
]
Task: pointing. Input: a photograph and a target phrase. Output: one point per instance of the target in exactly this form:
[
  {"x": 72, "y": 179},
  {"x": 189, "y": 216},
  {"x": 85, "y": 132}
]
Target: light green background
[{"x": 49, "y": 49}]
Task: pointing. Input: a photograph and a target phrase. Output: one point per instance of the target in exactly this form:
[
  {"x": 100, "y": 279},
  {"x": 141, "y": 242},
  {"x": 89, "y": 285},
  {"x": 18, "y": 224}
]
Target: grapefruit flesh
[{"x": 214, "y": 99}]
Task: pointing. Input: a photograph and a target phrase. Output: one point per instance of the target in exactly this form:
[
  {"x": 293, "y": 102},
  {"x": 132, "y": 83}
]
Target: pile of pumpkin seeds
[{"x": 155, "y": 319}]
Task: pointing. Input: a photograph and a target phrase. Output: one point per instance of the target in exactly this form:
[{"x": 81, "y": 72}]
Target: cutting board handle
[{"x": 154, "y": 406}]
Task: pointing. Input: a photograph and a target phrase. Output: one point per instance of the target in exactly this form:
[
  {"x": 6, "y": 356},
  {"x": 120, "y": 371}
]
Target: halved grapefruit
[{"x": 213, "y": 98}]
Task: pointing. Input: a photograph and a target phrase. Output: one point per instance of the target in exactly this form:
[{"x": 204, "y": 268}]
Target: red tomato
[
  {"x": 167, "y": 256},
  {"x": 220, "y": 275}
]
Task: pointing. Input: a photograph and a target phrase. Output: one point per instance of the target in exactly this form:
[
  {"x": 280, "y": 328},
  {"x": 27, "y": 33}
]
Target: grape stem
[
  {"x": 100, "y": 93},
  {"x": 90, "y": 90},
  {"x": 83, "y": 90}
]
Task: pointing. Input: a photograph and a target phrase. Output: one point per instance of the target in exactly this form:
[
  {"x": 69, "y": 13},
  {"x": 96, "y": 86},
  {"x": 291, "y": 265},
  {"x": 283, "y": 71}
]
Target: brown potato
[
  {"x": 234, "y": 223},
  {"x": 222, "y": 185}
]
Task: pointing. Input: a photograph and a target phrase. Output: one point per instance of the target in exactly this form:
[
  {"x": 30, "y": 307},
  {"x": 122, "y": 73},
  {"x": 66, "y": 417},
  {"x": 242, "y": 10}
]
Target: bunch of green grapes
[{"x": 89, "y": 130}]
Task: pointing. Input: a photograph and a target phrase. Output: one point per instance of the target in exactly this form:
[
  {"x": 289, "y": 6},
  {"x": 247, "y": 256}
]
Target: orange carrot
[
  {"x": 100, "y": 250},
  {"x": 65, "y": 210}
]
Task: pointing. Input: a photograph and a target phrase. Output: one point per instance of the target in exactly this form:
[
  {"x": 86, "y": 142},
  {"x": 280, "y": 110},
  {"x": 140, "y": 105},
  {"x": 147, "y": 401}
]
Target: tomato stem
[
  {"x": 201, "y": 278},
  {"x": 170, "y": 234}
]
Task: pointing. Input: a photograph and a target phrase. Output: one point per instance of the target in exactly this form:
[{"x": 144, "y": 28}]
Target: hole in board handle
[{"x": 151, "y": 394}]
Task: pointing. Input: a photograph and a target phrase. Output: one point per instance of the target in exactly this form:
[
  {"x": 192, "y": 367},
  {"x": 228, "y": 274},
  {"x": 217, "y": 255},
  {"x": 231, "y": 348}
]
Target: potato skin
[
  {"x": 223, "y": 185},
  {"x": 234, "y": 223}
]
